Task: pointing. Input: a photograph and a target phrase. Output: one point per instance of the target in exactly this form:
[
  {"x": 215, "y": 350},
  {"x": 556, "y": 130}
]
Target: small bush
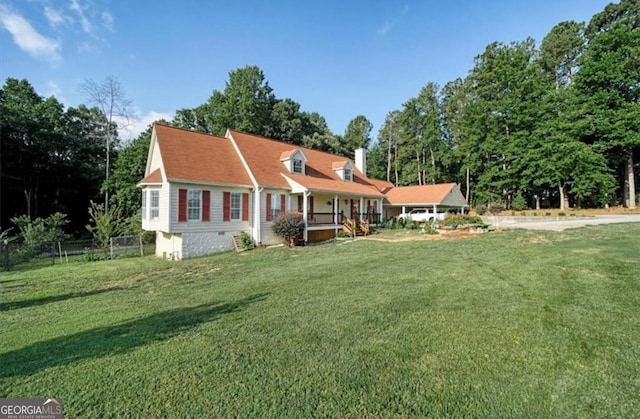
[
  {"x": 548, "y": 214},
  {"x": 481, "y": 209},
  {"x": 535, "y": 214},
  {"x": 562, "y": 214},
  {"x": 496, "y": 208},
  {"x": 519, "y": 203},
  {"x": 288, "y": 226},
  {"x": 456, "y": 221},
  {"x": 246, "y": 241},
  {"x": 411, "y": 225}
]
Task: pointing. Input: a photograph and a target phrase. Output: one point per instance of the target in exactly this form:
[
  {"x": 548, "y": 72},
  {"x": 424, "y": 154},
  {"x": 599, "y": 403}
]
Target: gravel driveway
[{"x": 558, "y": 223}]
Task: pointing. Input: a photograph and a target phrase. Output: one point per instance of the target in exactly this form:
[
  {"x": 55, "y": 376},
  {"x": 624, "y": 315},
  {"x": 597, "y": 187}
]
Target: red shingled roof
[
  {"x": 263, "y": 158},
  {"x": 382, "y": 185},
  {"x": 153, "y": 177},
  {"x": 419, "y": 195},
  {"x": 193, "y": 156}
]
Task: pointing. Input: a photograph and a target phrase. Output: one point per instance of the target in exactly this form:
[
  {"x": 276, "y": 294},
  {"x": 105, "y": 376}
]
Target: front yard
[{"x": 505, "y": 324}]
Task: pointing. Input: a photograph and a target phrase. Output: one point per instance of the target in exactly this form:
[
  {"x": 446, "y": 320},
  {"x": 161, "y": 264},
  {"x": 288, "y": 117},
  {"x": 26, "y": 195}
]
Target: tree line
[{"x": 554, "y": 124}]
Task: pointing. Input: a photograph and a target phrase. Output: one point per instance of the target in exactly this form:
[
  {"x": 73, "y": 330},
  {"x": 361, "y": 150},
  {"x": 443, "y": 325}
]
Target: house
[
  {"x": 441, "y": 197},
  {"x": 200, "y": 190}
]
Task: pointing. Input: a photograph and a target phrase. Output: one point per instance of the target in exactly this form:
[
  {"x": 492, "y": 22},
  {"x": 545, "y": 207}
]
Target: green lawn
[{"x": 508, "y": 324}]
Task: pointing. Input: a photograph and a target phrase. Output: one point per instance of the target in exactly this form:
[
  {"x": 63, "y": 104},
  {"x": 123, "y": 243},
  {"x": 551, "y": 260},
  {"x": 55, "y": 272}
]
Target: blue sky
[{"x": 339, "y": 58}]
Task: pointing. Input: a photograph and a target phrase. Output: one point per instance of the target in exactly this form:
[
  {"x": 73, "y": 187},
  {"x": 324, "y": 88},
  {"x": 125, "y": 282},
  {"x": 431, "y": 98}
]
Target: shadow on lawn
[
  {"x": 115, "y": 339},
  {"x": 13, "y": 305}
]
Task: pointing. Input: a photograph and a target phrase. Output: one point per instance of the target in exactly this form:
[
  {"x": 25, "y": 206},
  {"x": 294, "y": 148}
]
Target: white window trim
[
  {"x": 293, "y": 166},
  {"x": 276, "y": 200},
  {"x": 231, "y": 208},
  {"x": 189, "y": 192},
  {"x": 152, "y": 207},
  {"x": 348, "y": 174},
  {"x": 145, "y": 205}
]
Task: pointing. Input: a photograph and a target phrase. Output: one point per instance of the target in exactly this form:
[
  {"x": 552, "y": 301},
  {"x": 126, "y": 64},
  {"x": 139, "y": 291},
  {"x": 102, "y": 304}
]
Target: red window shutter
[
  {"x": 311, "y": 205},
  {"x": 206, "y": 205},
  {"x": 245, "y": 207},
  {"x": 182, "y": 205},
  {"x": 268, "y": 207},
  {"x": 283, "y": 203},
  {"x": 375, "y": 206},
  {"x": 300, "y": 203},
  {"x": 226, "y": 206}
]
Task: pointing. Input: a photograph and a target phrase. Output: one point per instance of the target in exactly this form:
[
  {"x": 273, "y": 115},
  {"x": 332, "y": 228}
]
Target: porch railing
[{"x": 328, "y": 218}]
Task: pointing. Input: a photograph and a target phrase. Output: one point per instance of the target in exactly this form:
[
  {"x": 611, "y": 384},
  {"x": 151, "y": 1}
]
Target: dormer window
[
  {"x": 344, "y": 170},
  {"x": 296, "y": 165},
  {"x": 294, "y": 160}
]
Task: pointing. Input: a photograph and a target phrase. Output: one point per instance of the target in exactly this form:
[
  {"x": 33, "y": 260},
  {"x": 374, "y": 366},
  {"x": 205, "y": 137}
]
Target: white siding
[
  {"x": 267, "y": 227},
  {"x": 168, "y": 246},
  {"x": 216, "y": 224},
  {"x": 162, "y": 224}
]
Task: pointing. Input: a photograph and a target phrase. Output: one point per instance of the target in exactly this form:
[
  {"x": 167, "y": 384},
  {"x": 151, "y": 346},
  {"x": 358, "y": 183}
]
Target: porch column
[
  {"x": 361, "y": 207},
  {"x": 335, "y": 209},
  {"x": 305, "y": 212},
  {"x": 404, "y": 210},
  {"x": 435, "y": 211},
  {"x": 257, "y": 222}
]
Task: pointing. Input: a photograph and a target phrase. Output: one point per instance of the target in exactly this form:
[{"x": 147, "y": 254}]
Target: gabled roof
[
  {"x": 317, "y": 184},
  {"x": 291, "y": 153},
  {"x": 263, "y": 155},
  {"x": 382, "y": 185},
  {"x": 154, "y": 177},
  {"x": 337, "y": 165},
  {"x": 197, "y": 157},
  {"x": 420, "y": 195}
]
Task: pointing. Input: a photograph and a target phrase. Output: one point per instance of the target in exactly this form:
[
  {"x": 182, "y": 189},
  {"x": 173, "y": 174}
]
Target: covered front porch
[{"x": 325, "y": 214}]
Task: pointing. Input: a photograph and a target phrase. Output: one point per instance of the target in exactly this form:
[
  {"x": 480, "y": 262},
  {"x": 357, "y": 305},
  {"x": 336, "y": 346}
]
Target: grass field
[{"x": 508, "y": 324}]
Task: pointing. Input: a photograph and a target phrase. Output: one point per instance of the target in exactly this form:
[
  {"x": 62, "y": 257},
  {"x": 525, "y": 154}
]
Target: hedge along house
[
  {"x": 441, "y": 197},
  {"x": 200, "y": 190}
]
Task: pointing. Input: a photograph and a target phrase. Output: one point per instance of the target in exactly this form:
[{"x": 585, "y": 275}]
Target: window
[
  {"x": 347, "y": 174},
  {"x": 276, "y": 208},
  {"x": 155, "y": 205},
  {"x": 144, "y": 204},
  {"x": 297, "y": 165},
  {"x": 236, "y": 205},
  {"x": 193, "y": 205}
]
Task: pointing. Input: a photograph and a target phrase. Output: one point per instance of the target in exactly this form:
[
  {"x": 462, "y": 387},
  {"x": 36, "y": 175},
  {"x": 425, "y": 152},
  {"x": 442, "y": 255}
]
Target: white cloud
[
  {"x": 384, "y": 29},
  {"x": 75, "y": 6},
  {"x": 27, "y": 38},
  {"x": 107, "y": 20},
  {"x": 390, "y": 24},
  {"x": 55, "y": 17},
  {"x": 130, "y": 130}
]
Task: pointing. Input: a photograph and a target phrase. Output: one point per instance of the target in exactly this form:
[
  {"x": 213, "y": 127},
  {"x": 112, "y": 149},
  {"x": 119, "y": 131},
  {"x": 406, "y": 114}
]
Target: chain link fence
[{"x": 16, "y": 255}]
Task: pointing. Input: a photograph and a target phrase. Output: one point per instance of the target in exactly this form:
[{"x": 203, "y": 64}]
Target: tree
[
  {"x": 561, "y": 50},
  {"x": 388, "y": 140},
  {"x": 609, "y": 81},
  {"x": 357, "y": 135},
  {"x": 128, "y": 170},
  {"x": 110, "y": 99}
]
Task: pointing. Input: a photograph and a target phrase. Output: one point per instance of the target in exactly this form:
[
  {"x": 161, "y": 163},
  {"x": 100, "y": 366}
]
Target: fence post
[
  {"x": 110, "y": 247},
  {"x": 141, "y": 247},
  {"x": 53, "y": 253}
]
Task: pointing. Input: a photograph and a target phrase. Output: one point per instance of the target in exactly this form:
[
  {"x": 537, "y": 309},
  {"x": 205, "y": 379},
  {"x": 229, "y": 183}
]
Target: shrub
[
  {"x": 519, "y": 203},
  {"x": 288, "y": 226},
  {"x": 246, "y": 241},
  {"x": 104, "y": 224},
  {"x": 496, "y": 208},
  {"x": 455, "y": 221},
  {"x": 41, "y": 231},
  {"x": 411, "y": 225},
  {"x": 562, "y": 214},
  {"x": 548, "y": 214},
  {"x": 481, "y": 209}
]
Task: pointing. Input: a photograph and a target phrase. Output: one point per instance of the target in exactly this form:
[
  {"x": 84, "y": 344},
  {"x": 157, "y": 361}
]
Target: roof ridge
[{"x": 192, "y": 131}]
